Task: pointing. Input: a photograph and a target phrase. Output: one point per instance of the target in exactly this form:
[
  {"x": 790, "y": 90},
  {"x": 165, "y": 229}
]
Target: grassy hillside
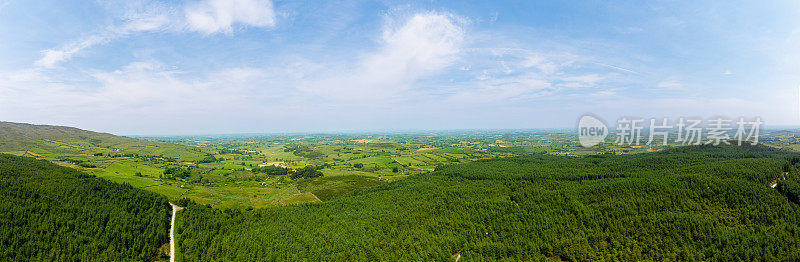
[
  {"x": 57, "y": 141},
  {"x": 222, "y": 181},
  {"x": 690, "y": 203},
  {"x": 53, "y": 213}
]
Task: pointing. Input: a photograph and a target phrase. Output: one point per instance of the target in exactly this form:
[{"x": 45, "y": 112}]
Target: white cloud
[
  {"x": 576, "y": 81},
  {"x": 241, "y": 74},
  {"x": 670, "y": 85},
  {"x": 548, "y": 64},
  {"x": 520, "y": 75},
  {"x": 404, "y": 70},
  {"x": 51, "y": 57},
  {"x": 215, "y": 16},
  {"x": 492, "y": 90},
  {"x": 208, "y": 17},
  {"x": 484, "y": 75},
  {"x": 415, "y": 64},
  {"x": 149, "y": 17},
  {"x": 140, "y": 92},
  {"x": 423, "y": 44},
  {"x": 420, "y": 46}
]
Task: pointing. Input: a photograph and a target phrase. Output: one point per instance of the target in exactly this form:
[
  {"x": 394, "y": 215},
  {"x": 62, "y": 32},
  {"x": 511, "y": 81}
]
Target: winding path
[{"x": 172, "y": 233}]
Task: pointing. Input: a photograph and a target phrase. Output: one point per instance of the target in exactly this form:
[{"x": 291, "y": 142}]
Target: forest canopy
[
  {"x": 688, "y": 203},
  {"x": 54, "y": 213}
]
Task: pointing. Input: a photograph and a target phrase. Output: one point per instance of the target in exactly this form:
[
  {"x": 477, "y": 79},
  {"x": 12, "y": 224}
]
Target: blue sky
[{"x": 254, "y": 66}]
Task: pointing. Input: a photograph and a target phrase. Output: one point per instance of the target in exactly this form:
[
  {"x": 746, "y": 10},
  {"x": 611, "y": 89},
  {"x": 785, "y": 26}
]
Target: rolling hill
[{"x": 56, "y": 141}]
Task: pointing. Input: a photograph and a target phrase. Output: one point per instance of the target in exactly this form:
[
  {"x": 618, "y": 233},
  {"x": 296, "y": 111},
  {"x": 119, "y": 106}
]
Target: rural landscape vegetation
[
  {"x": 259, "y": 130},
  {"x": 484, "y": 195}
]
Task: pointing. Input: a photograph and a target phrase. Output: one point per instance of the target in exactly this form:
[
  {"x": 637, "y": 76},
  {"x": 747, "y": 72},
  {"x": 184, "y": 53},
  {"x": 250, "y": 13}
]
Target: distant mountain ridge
[{"x": 47, "y": 139}]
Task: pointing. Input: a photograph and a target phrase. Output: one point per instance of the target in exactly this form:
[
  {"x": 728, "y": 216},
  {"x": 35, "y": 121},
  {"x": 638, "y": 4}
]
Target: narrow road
[{"x": 172, "y": 234}]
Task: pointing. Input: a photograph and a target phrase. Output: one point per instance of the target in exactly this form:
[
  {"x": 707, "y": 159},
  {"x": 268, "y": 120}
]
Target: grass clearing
[
  {"x": 301, "y": 198},
  {"x": 327, "y": 188}
]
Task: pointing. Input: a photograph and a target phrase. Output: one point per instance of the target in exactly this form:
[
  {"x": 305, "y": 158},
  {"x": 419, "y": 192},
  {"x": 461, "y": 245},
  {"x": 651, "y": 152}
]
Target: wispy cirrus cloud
[
  {"x": 51, "y": 57},
  {"x": 409, "y": 49},
  {"x": 207, "y": 17},
  {"x": 405, "y": 66},
  {"x": 219, "y": 16},
  {"x": 671, "y": 84}
]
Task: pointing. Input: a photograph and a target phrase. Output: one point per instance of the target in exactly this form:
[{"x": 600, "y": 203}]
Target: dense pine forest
[
  {"x": 688, "y": 203},
  {"x": 54, "y": 213}
]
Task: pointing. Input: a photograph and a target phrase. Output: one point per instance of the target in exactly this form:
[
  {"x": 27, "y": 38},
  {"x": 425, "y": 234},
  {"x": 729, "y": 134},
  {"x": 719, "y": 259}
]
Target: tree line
[{"x": 54, "y": 213}]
